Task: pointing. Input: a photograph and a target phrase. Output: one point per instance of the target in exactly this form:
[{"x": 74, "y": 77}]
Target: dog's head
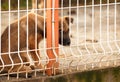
[
  {"x": 64, "y": 23},
  {"x": 64, "y": 38}
]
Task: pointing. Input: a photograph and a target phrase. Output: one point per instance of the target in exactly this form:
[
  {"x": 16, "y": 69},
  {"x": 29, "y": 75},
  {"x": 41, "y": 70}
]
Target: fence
[{"x": 54, "y": 37}]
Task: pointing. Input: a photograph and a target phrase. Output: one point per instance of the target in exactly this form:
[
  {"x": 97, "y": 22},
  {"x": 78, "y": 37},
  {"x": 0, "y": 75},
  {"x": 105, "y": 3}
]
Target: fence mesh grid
[{"x": 89, "y": 37}]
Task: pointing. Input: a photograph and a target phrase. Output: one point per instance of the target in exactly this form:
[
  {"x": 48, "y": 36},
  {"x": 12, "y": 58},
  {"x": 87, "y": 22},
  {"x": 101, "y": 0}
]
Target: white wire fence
[{"x": 88, "y": 37}]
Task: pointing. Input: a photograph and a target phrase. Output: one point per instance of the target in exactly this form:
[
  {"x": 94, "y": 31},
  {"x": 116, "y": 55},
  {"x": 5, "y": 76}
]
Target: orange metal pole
[
  {"x": 56, "y": 15},
  {"x": 56, "y": 31},
  {"x": 50, "y": 53}
]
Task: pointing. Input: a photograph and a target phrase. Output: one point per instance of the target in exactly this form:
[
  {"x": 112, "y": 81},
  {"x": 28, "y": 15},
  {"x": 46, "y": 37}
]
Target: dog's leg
[
  {"x": 36, "y": 58},
  {"x": 20, "y": 64}
]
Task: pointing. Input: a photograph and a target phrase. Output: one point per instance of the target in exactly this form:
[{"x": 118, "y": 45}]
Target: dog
[{"x": 20, "y": 42}]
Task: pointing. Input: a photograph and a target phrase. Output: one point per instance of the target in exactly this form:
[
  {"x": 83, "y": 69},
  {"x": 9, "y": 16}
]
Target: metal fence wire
[{"x": 51, "y": 37}]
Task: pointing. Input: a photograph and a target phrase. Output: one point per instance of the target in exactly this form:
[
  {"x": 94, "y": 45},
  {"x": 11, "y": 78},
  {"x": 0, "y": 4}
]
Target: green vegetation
[{"x": 14, "y": 4}]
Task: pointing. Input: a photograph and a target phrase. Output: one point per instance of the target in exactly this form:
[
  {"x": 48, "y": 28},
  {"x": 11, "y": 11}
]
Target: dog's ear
[{"x": 69, "y": 19}]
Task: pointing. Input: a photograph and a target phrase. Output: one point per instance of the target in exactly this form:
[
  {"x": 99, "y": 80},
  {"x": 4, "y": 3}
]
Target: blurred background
[{"x": 14, "y": 3}]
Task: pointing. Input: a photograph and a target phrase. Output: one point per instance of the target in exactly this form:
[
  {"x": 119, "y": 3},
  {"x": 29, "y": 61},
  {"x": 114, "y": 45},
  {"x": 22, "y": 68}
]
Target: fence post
[{"x": 50, "y": 52}]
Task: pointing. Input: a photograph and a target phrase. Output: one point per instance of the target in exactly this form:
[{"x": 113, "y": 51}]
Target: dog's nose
[{"x": 68, "y": 43}]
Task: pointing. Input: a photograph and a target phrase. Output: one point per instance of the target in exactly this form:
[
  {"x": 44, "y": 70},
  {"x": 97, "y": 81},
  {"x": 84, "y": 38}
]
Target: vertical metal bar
[
  {"x": 85, "y": 30},
  {"x": 101, "y": 45},
  {"x": 93, "y": 34},
  {"x": 70, "y": 26},
  {"x": 9, "y": 50},
  {"x": 85, "y": 24},
  {"x": 54, "y": 29},
  {"x": 78, "y": 30},
  {"x": 93, "y": 27},
  {"x": 56, "y": 25},
  {"x": 36, "y": 42},
  {"x": 115, "y": 26},
  {"x": 62, "y": 47},
  {"x": 108, "y": 27},
  {"x": 27, "y": 41},
  {"x": 35, "y": 11},
  {"x": 50, "y": 37},
  {"x": 62, "y": 23},
  {"x": 0, "y": 41},
  {"x": 108, "y": 30},
  {"x": 19, "y": 40},
  {"x": 101, "y": 26},
  {"x": 62, "y": 28},
  {"x": 47, "y": 58},
  {"x": 56, "y": 34}
]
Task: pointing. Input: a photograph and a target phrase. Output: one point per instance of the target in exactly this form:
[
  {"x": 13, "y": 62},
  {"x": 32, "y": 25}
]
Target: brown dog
[{"x": 18, "y": 50}]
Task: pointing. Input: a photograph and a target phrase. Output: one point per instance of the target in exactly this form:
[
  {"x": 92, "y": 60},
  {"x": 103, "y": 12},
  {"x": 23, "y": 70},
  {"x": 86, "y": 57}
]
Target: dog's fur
[{"x": 12, "y": 59}]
